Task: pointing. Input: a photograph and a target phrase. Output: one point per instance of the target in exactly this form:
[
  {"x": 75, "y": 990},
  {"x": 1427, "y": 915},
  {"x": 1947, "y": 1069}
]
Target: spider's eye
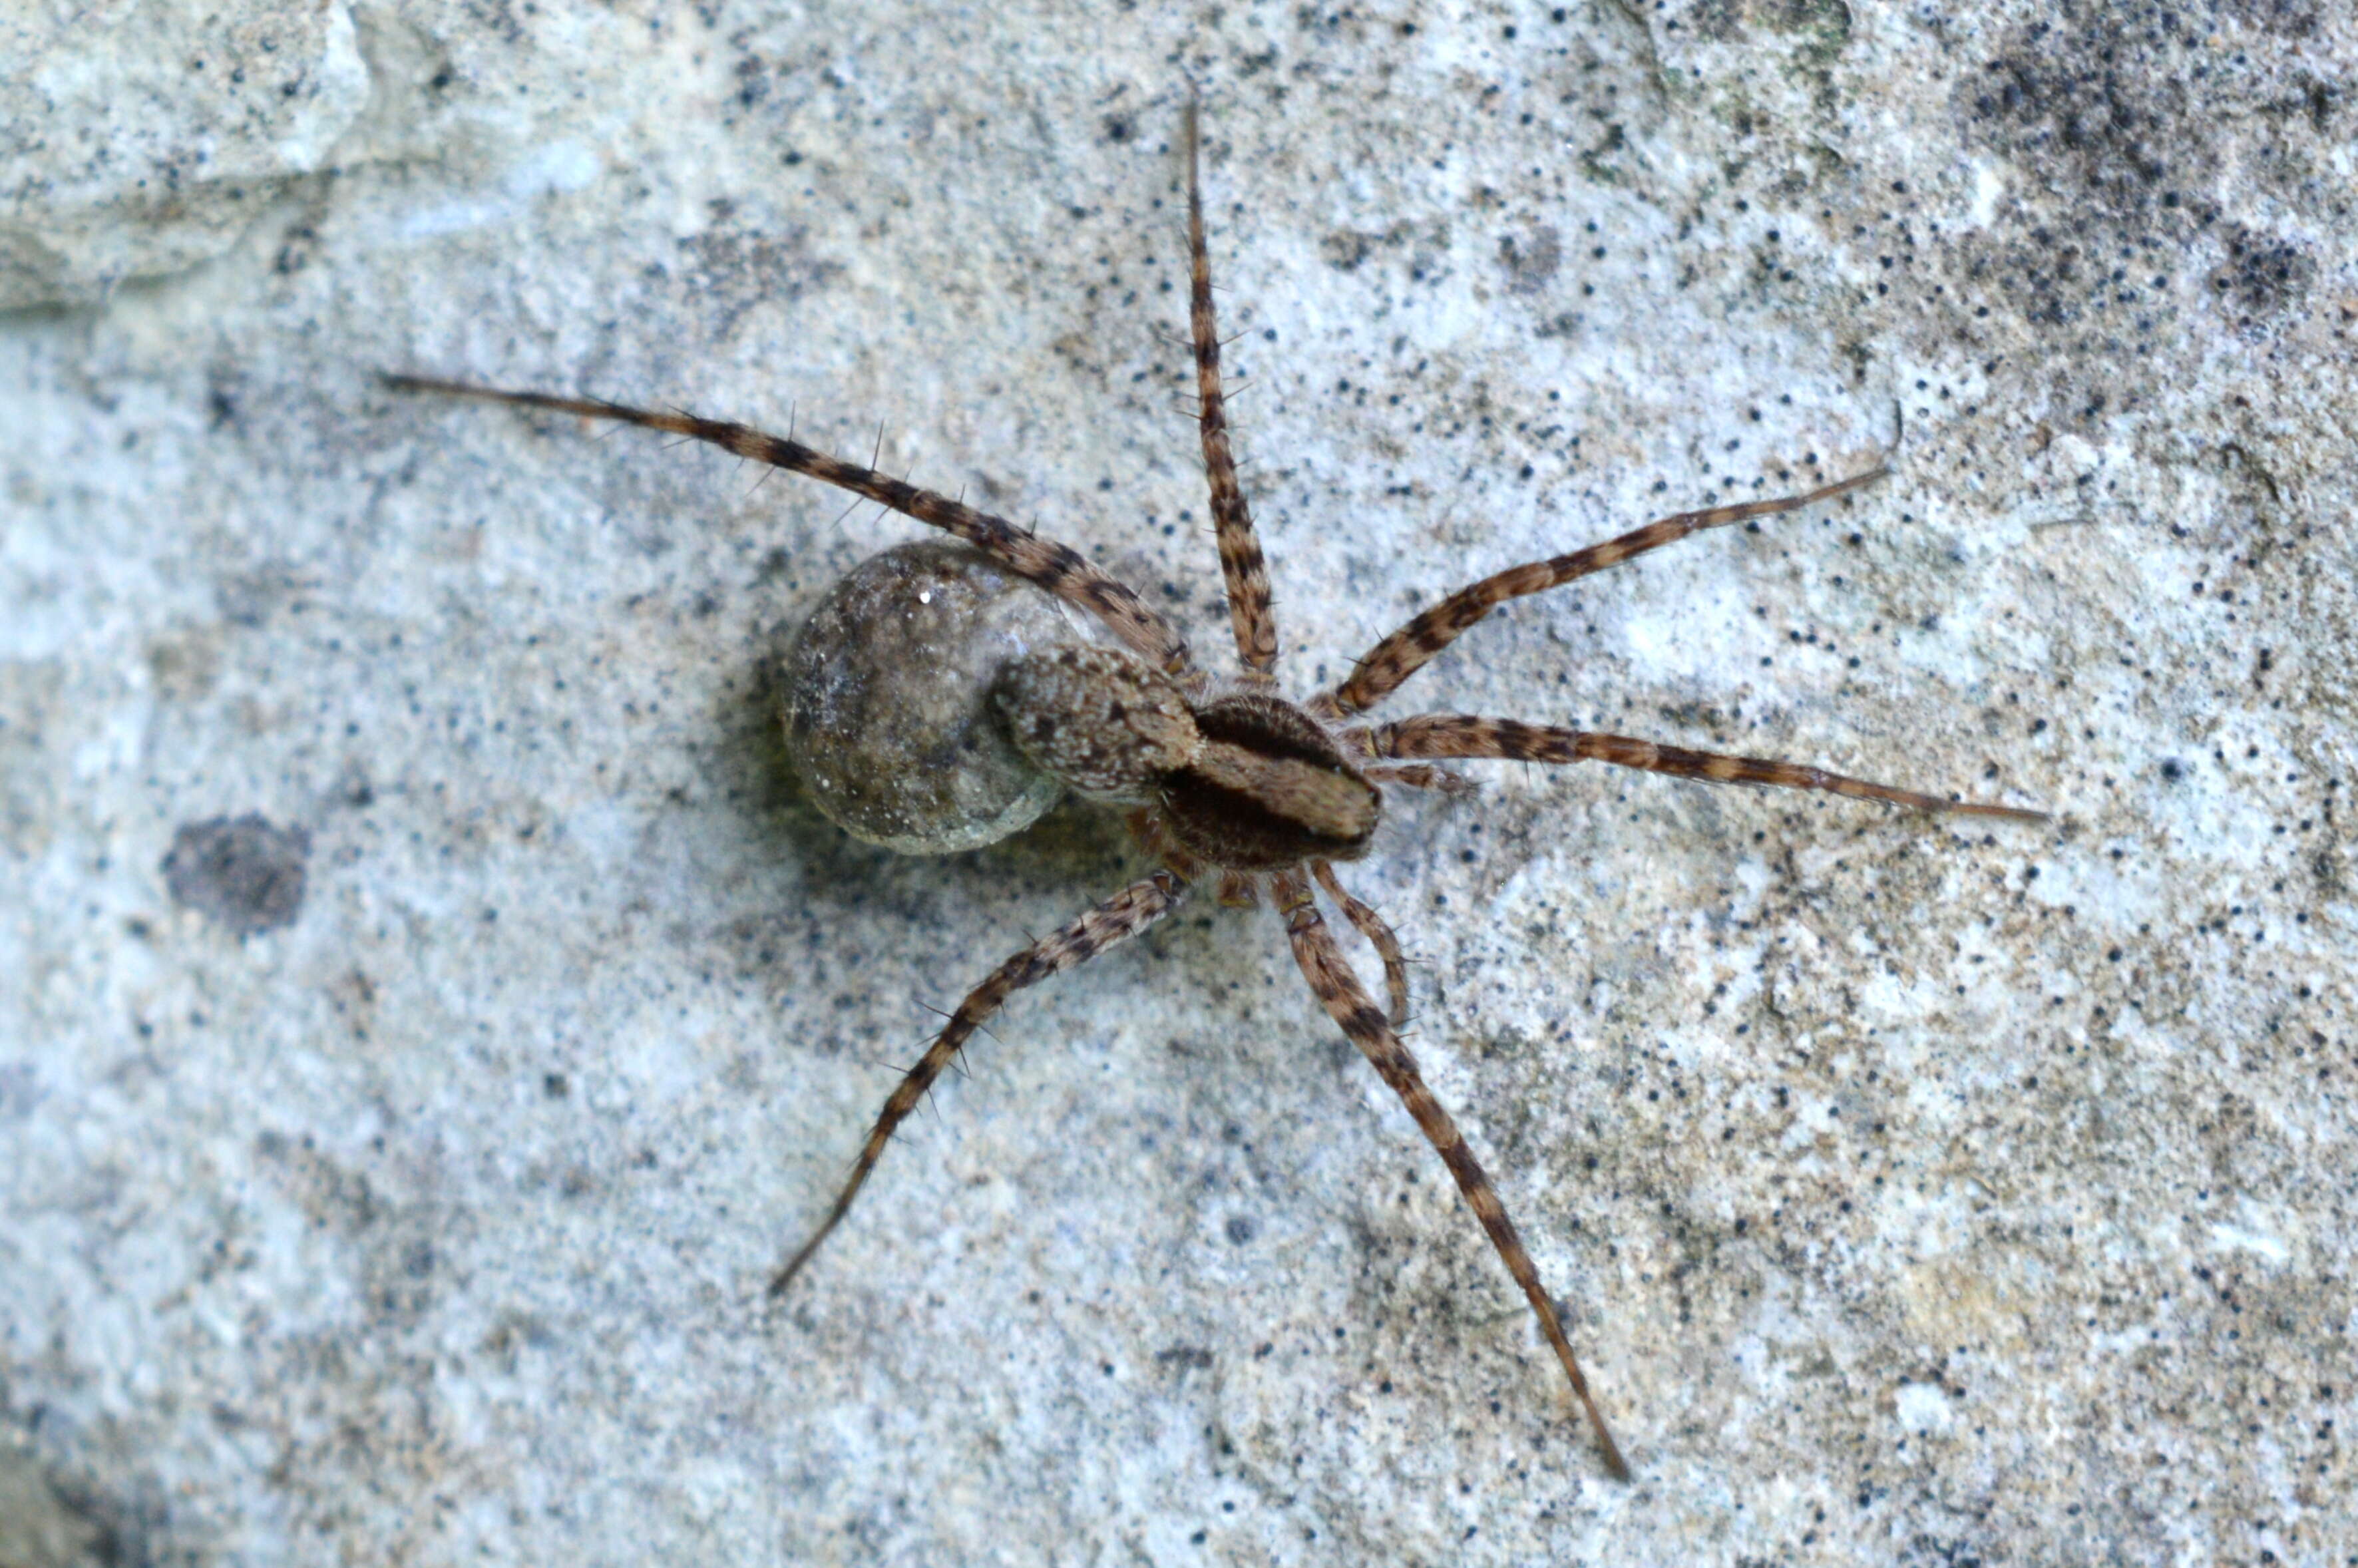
[{"x": 887, "y": 687}]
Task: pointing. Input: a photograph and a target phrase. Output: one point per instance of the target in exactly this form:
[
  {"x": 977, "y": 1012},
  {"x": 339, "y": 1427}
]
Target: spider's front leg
[
  {"x": 1467, "y": 736},
  {"x": 1117, "y": 919},
  {"x": 1383, "y": 668},
  {"x": 1242, "y": 569}
]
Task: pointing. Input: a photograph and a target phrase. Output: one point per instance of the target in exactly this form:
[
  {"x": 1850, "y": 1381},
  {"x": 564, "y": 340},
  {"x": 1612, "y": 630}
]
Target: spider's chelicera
[{"x": 1226, "y": 780}]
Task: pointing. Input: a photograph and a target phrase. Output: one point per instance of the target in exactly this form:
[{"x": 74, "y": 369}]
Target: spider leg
[
  {"x": 1346, "y": 1000},
  {"x": 1118, "y": 918},
  {"x": 1242, "y": 569},
  {"x": 1379, "y": 937},
  {"x": 1464, "y": 735},
  {"x": 1382, "y": 669},
  {"x": 1059, "y": 568}
]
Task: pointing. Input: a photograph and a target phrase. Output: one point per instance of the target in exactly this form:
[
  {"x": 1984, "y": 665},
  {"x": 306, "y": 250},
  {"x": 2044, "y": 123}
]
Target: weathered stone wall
[{"x": 427, "y": 1012}]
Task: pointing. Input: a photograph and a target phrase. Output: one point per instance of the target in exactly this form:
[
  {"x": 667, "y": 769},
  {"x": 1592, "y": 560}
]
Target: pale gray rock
[
  {"x": 136, "y": 141},
  {"x": 1918, "y": 1192}
]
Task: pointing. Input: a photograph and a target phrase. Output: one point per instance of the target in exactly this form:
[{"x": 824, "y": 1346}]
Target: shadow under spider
[{"x": 1227, "y": 782}]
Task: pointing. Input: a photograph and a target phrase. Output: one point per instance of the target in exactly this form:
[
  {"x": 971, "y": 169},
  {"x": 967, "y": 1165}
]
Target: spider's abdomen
[{"x": 1269, "y": 789}]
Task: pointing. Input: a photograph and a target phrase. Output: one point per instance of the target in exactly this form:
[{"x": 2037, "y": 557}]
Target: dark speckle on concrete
[
  {"x": 2262, "y": 278},
  {"x": 39, "y": 1528},
  {"x": 242, "y": 871}
]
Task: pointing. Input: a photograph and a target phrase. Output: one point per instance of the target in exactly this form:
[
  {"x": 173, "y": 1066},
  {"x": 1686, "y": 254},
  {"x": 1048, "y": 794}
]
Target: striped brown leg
[
  {"x": 1059, "y": 568},
  {"x": 1379, "y": 937},
  {"x": 1346, "y": 1001},
  {"x": 1241, "y": 567},
  {"x": 1390, "y": 662},
  {"x": 1434, "y": 735},
  {"x": 1118, "y": 918}
]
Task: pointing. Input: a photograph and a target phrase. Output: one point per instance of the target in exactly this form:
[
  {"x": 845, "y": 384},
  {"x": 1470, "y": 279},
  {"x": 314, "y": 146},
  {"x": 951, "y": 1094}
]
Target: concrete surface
[{"x": 426, "y": 1010}]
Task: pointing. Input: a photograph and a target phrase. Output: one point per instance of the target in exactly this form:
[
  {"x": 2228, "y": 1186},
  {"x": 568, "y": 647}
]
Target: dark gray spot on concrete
[
  {"x": 20, "y": 1091},
  {"x": 2262, "y": 278},
  {"x": 1727, "y": 20},
  {"x": 2094, "y": 105},
  {"x": 2287, "y": 18},
  {"x": 1345, "y": 250},
  {"x": 1530, "y": 258},
  {"x": 2135, "y": 175},
  {"x": 242, "y": 871},
  {"x": 40, "y": 1528},
  {"x": 732, "y": 268}
]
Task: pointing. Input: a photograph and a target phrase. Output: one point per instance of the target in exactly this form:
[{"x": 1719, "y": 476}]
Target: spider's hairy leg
[
  {"x": 1380, "y": 935},
  {"x": 1433, "y": 735},
  {"x": 1346, "y": 1001},
  {"x": 1382, "y": 669},
  {"x": 1059, "y": 568},
  {"x": 1242, "y": 569},
  {"x": 1117, "y": 919}
]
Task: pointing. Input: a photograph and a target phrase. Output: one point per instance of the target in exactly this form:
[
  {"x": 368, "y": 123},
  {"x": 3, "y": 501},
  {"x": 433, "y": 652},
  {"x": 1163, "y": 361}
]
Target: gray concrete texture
[{"x": 427, "y": 1009}]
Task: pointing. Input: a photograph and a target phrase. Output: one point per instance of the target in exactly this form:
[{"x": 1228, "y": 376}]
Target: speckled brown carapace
[{"x": 1229, "y": 782}]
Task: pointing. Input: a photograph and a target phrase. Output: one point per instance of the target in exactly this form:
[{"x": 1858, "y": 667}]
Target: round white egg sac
[{"x": 887, "y": 685}]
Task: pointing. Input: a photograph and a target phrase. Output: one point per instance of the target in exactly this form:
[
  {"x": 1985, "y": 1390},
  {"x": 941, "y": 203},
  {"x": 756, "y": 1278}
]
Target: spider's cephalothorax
[{"x": 1239, "y": 781}]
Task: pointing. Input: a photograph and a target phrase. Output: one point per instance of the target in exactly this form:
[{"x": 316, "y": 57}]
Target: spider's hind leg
[
  {"x": 1338, "y": 990},
  {"x": 1380, "y": 935},
  {"x": 1059, "y": 568},
  {"x": 1117, "y": 919}
]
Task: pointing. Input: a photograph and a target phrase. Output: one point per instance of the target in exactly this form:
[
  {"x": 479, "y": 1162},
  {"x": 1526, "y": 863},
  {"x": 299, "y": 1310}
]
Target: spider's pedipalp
[
  {"x": 1059, "y": 568},
  {"x": 1416, "y": 775},
  {"x": 1469, "y": 736},
  {"x": 1243, "y": 570},
  {"x": 1345, "y": 1000},
  {"x": 1380, "y": 671},
  {"x": 1117, "y": 919}
]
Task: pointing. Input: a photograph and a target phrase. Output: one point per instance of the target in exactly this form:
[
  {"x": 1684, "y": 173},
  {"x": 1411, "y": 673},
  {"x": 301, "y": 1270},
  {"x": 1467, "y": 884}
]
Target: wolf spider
[{"x": 1226, "y": 779}]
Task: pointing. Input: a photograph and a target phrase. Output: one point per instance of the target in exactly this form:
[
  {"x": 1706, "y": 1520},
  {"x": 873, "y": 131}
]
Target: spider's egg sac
[{"x": 887, "y": 687}]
